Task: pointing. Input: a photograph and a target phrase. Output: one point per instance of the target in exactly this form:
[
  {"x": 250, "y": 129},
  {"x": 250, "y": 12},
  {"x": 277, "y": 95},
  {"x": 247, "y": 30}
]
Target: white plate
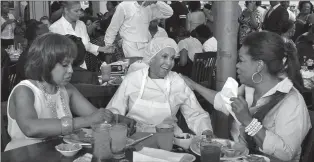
[
  {"x": 112, "y": 83},
  {"x": 196, "y": 149},
  {"x": 188, "y": 158},
  {"x": 265, "y": 158}
]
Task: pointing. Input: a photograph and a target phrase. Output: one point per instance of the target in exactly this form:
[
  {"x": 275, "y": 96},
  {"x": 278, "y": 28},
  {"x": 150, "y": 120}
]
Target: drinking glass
[
  {"x": 165, "y": 136},
  {"x": 118, "y": 134},
  {"x": 101, "y": 141},
  {"x": 210, "y": 152},
  {"x": 105, "y": 73}
]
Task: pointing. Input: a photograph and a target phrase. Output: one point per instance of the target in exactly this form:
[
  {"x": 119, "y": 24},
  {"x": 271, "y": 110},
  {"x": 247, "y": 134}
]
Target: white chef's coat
[
  {"x": 132, "y": 20},
  {"x": 180, "y": 97},
  {"x": 8, "y": 31},
  {"x": 286, "y": 124},
  {"x": 210, "y": 45},
  {"x": 63, "y": 27}
]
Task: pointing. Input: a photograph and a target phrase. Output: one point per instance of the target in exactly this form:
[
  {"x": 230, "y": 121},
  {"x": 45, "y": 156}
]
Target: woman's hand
[
  {"x": 241, "y": 110},
  {"x": 101, "y": 115},
  {"x": 188, "y": 81},
  {"x": 106, "y": 49},
  {"x": 131, "y": 123}
]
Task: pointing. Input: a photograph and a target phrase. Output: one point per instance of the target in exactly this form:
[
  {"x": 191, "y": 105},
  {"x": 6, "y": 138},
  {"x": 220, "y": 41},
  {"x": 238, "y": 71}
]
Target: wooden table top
[{"x": 46, "y": 152}]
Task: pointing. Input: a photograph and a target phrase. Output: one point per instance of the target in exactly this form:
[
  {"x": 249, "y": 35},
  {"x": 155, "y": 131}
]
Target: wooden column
[{"x": 226, "y": 15}]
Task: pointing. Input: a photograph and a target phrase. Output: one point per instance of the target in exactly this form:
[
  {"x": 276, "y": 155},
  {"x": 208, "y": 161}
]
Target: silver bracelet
[{"x": 66, "y": 125}]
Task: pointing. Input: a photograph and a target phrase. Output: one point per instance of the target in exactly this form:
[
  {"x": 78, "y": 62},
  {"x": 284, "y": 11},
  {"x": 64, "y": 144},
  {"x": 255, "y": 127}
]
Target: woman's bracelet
[
  {"x": 254, "y": 127},
  {"x": 66, "y": 125}
]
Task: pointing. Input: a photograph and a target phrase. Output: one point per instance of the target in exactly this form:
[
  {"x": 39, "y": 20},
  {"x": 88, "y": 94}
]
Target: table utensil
[
  {"x": 139, "y": 140},
  {"x": 183, "y": 140},
  {"x": 68, "y": 149}
]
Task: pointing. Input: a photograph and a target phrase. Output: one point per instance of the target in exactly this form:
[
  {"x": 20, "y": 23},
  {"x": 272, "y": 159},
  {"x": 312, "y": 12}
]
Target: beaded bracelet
[
  {"x": 66, "y": 125},
  {"x": 254, "y": 127},
  {"x": 251, "y": 125}
]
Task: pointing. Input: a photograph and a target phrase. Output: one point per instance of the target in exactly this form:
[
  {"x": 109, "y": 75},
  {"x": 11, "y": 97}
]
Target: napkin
[
  {"x": 157, "y": 155},
  {"x": 229, "y": 90}
]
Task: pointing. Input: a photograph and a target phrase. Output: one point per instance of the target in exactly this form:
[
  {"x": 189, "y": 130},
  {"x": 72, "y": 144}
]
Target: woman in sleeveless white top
[
  {"x": 39, "y": 108},
  {"x": 18, "y": 138}
]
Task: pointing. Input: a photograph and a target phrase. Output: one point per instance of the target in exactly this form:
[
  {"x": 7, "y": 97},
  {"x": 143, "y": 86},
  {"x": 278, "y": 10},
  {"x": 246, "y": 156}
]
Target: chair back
[
  {"x": 308, "y": 143},
  {"x": 9, "y": 80},
  {"x": 203, "y": 68},
  {"x": 98, "y": 95}
]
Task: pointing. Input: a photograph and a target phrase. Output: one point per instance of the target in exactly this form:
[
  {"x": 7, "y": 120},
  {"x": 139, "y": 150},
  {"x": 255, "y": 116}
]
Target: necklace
[{"x": 52, "y": 103}]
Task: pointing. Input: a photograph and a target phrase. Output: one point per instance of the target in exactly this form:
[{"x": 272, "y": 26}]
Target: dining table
[{"x": 46, "y": 152}]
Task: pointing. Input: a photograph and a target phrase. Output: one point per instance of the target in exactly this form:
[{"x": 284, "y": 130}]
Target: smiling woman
[
  {"x": 154, "y": 94},
  {"x": 42, "y": 106}
]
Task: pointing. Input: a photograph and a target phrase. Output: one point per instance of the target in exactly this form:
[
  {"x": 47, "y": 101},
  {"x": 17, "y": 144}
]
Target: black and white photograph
[{"x": 157, "y": 81}]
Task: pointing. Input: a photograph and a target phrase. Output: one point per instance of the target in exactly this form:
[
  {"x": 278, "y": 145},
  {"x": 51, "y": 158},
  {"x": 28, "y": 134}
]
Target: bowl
[
  {"x": 183, "y": 140},
  {"x": 68, "y": 149}
]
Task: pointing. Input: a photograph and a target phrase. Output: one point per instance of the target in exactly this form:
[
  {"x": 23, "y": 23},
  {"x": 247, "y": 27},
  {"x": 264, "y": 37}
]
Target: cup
[
  {"x": 164, "y": 135},
  {"x": 101, "y": 141},
  {"x": 210, "y": 152},
  {"x": 118, "y": 134},
  {"x": 105, "y": 73}
]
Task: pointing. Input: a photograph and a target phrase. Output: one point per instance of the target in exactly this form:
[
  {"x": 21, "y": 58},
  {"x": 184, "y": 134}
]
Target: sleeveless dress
[{"x": 18, "y": 138}]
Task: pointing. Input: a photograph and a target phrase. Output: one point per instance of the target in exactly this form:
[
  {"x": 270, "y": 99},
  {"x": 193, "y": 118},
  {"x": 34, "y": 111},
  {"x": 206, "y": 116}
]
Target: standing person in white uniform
[
  {"x": 7, "y": 25},
  {"x": 154, "y": 95},
  {"x": 131, "y": 20},
  {"x": 69, "y": 23}
]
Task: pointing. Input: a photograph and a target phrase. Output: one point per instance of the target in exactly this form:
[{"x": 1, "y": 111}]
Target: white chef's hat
[{"x": 156, "y": 45}]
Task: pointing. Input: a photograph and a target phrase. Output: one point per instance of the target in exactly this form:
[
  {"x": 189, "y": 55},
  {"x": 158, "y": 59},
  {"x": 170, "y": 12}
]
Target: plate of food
[
  {"x": 84, "y": 137},
  {"x": 254, "y": 158},
  {"x": 230, "y": 150},
  {"x": 81, "y": 136},
  {"x": 115, "y": 81}
]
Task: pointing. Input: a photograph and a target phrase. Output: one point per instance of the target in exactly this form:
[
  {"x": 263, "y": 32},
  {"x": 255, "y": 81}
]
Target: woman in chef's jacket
[{"x": 154, "y": 94}]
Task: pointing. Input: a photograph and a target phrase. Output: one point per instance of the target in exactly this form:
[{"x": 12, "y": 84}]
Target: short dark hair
[
  {"x": 194, "y": 6},
  {"x": 272, "y": 49},
  {"x": 114, "y": 3},
  {"x": 208, "y": 6},
  {"x": 31, "y": 28},
  {"x": 286, "y": 26},
  {"x": 301, "y": 3},
  {"x": 257, "y": 3},
  {"x": 203, "y": 31},
  {"x": 81, "y": 50},
  {"x": 45, "y": 52}
]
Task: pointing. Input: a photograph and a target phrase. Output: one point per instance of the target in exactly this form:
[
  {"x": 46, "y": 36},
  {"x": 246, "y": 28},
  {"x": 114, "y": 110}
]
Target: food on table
[
  {"x": 82, "y": 136},
  {"x": 68, "y": 147},
  {"x": 254, "y": 158},
  {"x": 117, "y": 80},
  {"x": 227, "y": 149},
  {"x": 188, "y": 136}
]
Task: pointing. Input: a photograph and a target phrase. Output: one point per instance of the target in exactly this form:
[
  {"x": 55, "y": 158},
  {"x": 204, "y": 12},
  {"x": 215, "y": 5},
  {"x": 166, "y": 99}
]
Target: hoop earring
[{"x": 257, "y": 73}]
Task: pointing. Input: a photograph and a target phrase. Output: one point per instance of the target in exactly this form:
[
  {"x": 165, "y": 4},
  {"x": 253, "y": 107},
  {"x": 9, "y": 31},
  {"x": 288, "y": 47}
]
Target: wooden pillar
[{"x": 226, "y": 15}]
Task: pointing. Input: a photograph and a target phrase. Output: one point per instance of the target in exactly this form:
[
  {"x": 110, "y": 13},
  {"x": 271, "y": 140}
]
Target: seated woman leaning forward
[
  {"x": 154, "y": 94},
  {"x": 42, "y": 106},
  {"x": 273, "y": 117}
]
